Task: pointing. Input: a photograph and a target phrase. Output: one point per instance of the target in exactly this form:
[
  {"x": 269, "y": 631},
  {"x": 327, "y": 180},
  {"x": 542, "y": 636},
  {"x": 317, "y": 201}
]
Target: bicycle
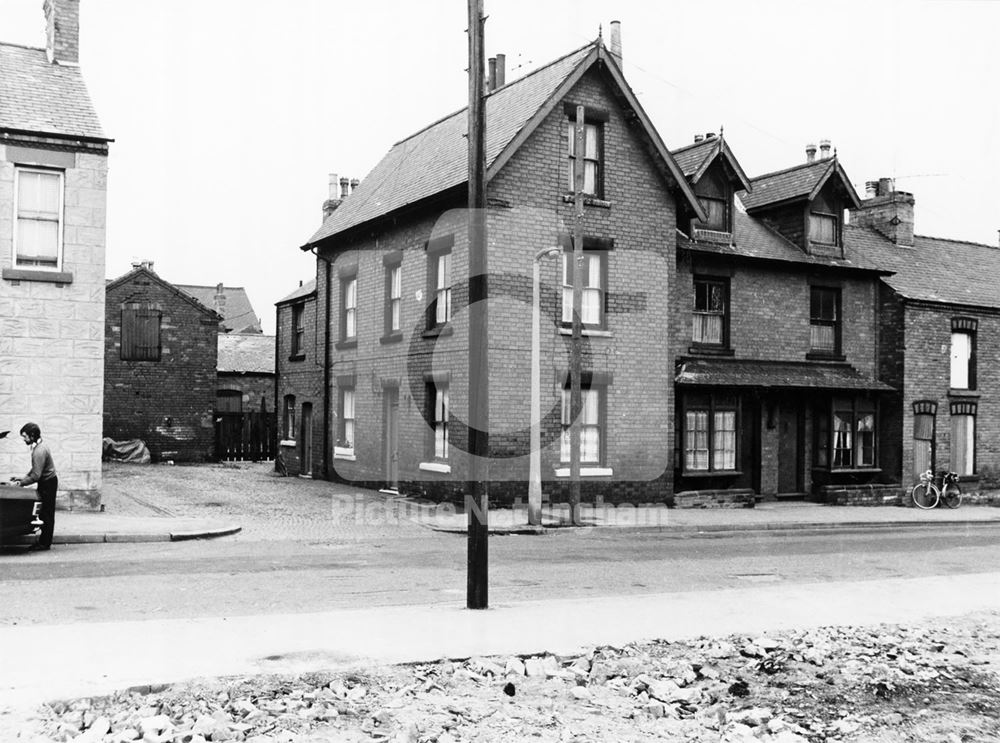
[{"x": 926, "y": 494}]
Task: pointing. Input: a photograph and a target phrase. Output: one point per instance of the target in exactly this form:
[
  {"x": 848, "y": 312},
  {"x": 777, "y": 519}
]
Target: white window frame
[
  {"x": 593, "y": 424},
  {"x": 344, "y": 448},
  {"x": 18, "y": 170},
  {"x": 592, "y": 291},
  {"x": 395, "y": 301},
  {"x": 442, "y": 288},
  {"x": 961, "y": 360},
  {"x": 349, "y": 299}
]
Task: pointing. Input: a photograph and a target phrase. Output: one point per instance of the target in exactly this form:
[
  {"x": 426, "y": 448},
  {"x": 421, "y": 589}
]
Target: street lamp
[{"x": 535, "y": 462}]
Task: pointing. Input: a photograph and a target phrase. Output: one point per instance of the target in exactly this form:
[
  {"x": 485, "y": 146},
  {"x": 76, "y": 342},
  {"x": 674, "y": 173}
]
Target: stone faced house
[
  {"x": 391, "y": 264},
  {"x": 53, "y": 183},
  {"x": 160, "y": 367}
]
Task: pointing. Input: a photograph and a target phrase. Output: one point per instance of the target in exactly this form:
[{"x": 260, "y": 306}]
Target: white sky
[{"x": 228, "y": 115}]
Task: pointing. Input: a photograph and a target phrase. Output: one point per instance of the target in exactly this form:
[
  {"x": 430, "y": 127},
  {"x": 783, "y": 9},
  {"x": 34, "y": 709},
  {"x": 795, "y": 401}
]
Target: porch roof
[{"x": 774, "y": 374}]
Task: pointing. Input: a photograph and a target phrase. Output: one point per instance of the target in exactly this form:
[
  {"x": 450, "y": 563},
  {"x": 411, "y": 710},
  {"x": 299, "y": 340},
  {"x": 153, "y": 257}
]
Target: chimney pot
[
  {"x": 824, "y": 149},
  {"x": 810, "y": 152},
  {"x": 871, "y": 189},
  {"x": 616, "y": 40},
  {"x": 709, "y": 135},
  {"x": 501, "y": 71},
  {"x": 354, "y": 184},
  {"x": 698, "y": 137},
  {"x": 491, "y": 74},
  {"x": 344, "y": 185},
  {"x": 333, "y": 185},
  {"x": 62, "y": 31},
  {"x": 886, "y": 186}
]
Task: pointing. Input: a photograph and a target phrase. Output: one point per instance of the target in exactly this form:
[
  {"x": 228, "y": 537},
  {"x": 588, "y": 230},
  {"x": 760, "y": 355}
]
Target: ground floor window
[
  {"x": 846, "y": 434},
  {"x": 591, "y": 426},
  {"x": 345, "y": 423},
  {"x": 963, "y": 437},
  {"x": 438, "y": 403},
  {"x": 710, "y": 426},
  {"x": 288, "y": 418}
]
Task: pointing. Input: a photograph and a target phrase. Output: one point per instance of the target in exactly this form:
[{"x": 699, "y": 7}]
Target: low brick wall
[
  {"x": 737, "y": 498},
  {"x": 981, "y": 498},
  {"x": 863, "y": 495}
]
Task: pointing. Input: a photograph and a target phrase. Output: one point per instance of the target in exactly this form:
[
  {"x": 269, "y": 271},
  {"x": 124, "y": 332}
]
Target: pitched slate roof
[
  {"x": 690, "y": 157},
  {"x": 934, "y": 269},
  {"x": 247, "y": 353},
  {"x": 41, "y": 97},
  {"x": 436, "y": 158},
  {"x": 303, "y": 291},
  {"x": 238, "y": 315},
  {"x": 788, "y": 374},
  {"x": 754, "y": 239},
  {"x": 153, "y": 276},
  {"x": 798, "y": 182}
]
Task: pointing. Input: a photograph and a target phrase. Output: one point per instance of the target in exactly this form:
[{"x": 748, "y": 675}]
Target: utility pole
[
  {"x": 575, "y": 358},
  {"x": 477, "y": 584}
]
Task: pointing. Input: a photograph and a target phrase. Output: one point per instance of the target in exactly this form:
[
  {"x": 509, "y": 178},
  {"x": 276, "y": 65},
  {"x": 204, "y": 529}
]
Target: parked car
[{"x": 19, "y": 520}]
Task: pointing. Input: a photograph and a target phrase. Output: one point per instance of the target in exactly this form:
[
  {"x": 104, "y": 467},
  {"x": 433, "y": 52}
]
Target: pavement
[{"x": 76, "y": 527}]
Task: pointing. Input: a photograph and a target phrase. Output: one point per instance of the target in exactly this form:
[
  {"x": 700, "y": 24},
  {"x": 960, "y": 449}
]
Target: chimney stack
[
  {"x": 491, "y": 74},
  {"x": 501, "y": 70},
  {"x": 888, "y": 211},
  {"x": 144, "y": 263},
  {"x": 810, "y": 153},
  {"x": 219, "y": 300},
  {"x": 62, "y": 31},
  {"x": 824, "y": 149},
  {"x": 333, "y": 201},
  {"x": 616, "y": 41}
]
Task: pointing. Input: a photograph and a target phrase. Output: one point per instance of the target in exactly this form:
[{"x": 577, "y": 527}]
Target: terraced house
[{"x": 53, "y": 184}]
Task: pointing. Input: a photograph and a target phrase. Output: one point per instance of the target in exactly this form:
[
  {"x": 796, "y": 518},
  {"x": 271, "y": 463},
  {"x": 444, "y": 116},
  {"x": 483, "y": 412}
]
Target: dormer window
[
  {"x": 717, "y": 212},
  {"x": 823, "y": 228}
]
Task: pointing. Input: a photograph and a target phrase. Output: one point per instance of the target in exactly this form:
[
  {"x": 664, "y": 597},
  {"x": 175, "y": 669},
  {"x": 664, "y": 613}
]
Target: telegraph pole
[
  {"x": 477, "y": 585},
  {"x": 575, "y": 357}
]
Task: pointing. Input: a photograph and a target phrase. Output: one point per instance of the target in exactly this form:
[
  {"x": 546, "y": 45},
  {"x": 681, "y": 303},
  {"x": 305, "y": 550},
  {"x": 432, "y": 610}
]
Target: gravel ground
[
  {"x": 933, "y": 682},
  {"x": 265, "y": 504}
]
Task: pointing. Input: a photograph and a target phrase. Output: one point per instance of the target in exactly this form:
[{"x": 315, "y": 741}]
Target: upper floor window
[
  {"x": 593, "y": 158},
  {"x": 140, "y": 334},
  {"x": 349, "y": 308},
  {"x": 593, "y": 288},
  {"x": 823, "y": 228},
  {"x": 717, "y": 213},
  {"x": 439, "y": 274},
  {"x": 298, "y": 330},
  {"x": 393, "y": 298},
  {"x": 38, "y": 234},
  {"x": 592, "y": 423},
  {"x": 963, "y": 353},
  {"x": 709, "y": 318},
  {"x": 824, "y": 319}
]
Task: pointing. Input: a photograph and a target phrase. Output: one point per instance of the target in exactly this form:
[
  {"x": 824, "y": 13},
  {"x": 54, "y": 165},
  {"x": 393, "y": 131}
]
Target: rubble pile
[{"x": 889, "y": 683}]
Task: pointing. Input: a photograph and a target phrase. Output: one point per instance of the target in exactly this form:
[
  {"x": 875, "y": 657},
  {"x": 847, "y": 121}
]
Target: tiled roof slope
[
  {"x": 238, "y": 315},
  {"x": 753, "y": 239},
  {"x": 37, "y": 96},
  {"x": 790, "y": 374},
  {"x": 435, "y": 159},
  {"x": 934, "y": 269},
  {"x": 782, "y": 185},
  {"x": 249, "y": 353},
  {"x": 690, "y": 157},
  {"x": 303, "y": 291}
]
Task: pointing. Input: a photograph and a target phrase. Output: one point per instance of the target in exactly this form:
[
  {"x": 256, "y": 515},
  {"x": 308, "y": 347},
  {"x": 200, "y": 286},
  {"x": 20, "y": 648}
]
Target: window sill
[
  {"x": 349, "y": 343},
  {"x": 958, "y": 392},
  {"x": 28, "y": 274},
  {"x": 393, "y": 337},
  {"x": 590, "y": 332},
  {"x": 850, "y": 470},
  {"x": 287, "y": 442},
  {"x": 586, "y": 472},
  {"x": 342, "y": 452},
  {"x": 438, "y": 330},
  {"x": 297, "y": 357},
  {"x": 706, "y": 350},
  {"x": 441, "y": 467},
  {"x": 711, "y": 473},
  {"x": 588, "y": 201},
  {"x": 825, "y": 356}
]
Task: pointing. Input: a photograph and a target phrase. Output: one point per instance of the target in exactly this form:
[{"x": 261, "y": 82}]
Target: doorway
[
  {"x": 789, "y": 450},
  {"x": 390, "y": 437},
  {"x": 306, "y": 437}
]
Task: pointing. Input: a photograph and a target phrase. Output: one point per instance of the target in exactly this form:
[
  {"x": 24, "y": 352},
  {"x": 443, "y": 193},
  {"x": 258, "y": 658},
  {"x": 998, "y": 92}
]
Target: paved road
[{"x": 240, "y": 576}]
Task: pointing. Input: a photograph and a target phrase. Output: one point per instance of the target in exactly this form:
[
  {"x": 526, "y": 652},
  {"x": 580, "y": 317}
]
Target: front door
[
  {"x": 789, "y": 450},
  {"x": 306, "y": 438},
  {"x": 390, "y": 431}
]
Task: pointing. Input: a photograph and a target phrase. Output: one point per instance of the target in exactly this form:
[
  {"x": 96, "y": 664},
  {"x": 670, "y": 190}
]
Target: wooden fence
[{"x": 245, "y": 436}]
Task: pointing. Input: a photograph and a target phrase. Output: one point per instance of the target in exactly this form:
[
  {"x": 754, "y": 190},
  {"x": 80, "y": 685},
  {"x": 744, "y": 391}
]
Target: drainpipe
[{"x": 277, "y": 381}]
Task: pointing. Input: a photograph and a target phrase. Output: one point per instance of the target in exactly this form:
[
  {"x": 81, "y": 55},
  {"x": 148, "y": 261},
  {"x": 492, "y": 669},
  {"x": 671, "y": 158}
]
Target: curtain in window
[
  {"x": 350, "y": 308},
  {"x": 395, "y": 297},
  {"x": 963, "y": 444},
  {"x": 961, "y": 355},
  {"x": 592, "y": 293},
  {"x": 38, "y": 218},
  {"x": 443, "y": 293},
  {"x": 591, "y": 156},
  {"x": 842, "y": 443},
  {"x": 590, "y": 427},
  {"x": 724, "y": 440},
  {"x": 441, "y": 423},
  {"x": 347, "y": 419},
  {"x": 289, "y": 417},
  {"x": 822, "y": 338},
  {"x": 696, "y": 440},
  {"x": 866, "y": 440}
]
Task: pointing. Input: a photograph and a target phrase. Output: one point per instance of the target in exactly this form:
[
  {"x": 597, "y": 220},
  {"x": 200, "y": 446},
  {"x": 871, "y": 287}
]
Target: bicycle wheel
[
  {"x": 924, "y": 495},
  {"x": 951, "y": 495}
]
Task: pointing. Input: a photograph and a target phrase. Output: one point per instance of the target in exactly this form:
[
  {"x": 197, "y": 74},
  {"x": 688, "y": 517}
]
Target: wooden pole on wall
[{"x": 477, "y": 584}]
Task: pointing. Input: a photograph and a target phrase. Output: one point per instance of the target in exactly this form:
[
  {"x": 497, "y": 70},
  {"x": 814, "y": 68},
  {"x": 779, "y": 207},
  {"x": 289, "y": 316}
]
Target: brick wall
[
  {"x": 51, "y": 334},
  {"x": 254, "y": 388},
  {"x": 169, "y": 403}
]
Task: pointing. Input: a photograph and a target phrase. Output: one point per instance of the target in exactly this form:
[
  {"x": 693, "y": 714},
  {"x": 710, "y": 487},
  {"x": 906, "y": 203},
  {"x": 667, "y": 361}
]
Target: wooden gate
[{"x": 245, "y": 436}]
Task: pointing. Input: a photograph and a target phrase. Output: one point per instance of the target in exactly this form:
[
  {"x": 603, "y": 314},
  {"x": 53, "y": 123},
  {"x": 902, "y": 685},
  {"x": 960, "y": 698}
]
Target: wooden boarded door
[
  {"x": 306, "y": 439},
  {"x": 789, "y": 450}
]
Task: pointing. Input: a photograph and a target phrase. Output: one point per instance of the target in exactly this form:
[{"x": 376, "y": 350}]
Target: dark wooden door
[
  {"x": 390, "y": 425},
  {"x": 789, "y": 450},
  {"x": 306, "y": 439}
]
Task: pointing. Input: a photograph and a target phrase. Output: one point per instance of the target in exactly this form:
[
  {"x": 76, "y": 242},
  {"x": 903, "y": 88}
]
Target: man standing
[{"x": 43, "y": 471}]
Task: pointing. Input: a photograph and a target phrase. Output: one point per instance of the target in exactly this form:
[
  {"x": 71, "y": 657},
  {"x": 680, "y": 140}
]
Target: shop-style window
[{"x": 710, "y": 434}]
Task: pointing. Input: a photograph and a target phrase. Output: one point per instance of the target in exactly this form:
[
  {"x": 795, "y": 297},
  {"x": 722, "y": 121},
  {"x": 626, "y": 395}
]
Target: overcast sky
[{"x": 228, "y": 115}]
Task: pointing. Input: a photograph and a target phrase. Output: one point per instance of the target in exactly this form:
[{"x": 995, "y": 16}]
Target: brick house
[
  {"x": 299, "y": 398},
  {"x": 940, "y": 339},
  {"x": 160, "y": 375},
  {"x": 774, "y": 325},
  {"x": 392, "y": 258},
  {"x": 53, "y": 184}
]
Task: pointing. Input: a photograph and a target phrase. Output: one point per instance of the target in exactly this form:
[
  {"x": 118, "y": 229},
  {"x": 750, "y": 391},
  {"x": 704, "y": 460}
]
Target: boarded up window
[{"x": 140, "y": 334}]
